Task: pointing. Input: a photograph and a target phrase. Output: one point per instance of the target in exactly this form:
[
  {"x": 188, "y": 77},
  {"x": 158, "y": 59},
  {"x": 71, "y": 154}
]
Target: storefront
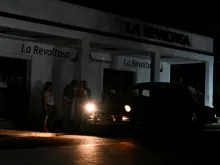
[
  {"x": 60, "y": 65},
  {"x": 154, "y": 47}
]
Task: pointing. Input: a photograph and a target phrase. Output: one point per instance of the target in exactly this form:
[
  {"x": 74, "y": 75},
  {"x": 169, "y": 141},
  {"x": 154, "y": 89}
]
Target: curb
[{"x": 16, "y": 133}]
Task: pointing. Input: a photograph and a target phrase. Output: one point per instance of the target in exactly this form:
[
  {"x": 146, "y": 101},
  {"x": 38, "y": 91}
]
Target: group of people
[
  {"x": 75, "y": 95},
  {"x": 194, "y": 88}
]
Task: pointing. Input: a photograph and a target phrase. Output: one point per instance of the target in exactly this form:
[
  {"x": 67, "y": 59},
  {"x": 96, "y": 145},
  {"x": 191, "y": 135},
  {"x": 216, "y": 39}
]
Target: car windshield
[
  {"x": 141, "y": 92},
  {"x": 135, "y": 93},
  {"x": 171, "y": 93}
]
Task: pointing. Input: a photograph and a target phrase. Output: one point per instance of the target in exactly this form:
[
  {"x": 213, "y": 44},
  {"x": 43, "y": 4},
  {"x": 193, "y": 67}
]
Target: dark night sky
[{"x": 181, "y": 16}]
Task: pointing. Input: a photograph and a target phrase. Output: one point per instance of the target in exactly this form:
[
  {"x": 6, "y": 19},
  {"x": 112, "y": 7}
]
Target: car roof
[{"x": 155, "y": 85}]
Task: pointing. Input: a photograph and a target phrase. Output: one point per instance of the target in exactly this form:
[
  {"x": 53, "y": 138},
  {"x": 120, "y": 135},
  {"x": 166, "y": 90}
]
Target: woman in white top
[{"x": 49, "y": 106}]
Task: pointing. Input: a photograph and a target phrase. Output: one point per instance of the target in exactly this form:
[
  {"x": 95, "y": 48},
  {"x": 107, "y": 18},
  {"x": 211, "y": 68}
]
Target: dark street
[{"x": 22, "y": 148}]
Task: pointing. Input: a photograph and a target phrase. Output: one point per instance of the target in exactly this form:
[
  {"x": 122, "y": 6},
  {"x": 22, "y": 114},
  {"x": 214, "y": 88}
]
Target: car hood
[{"x": 206, "y": 110}]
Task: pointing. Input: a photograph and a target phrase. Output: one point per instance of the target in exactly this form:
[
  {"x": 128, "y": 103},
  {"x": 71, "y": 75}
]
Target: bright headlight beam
[
  {"x": 90, "y": 107},
  {"x": 127, "y": 108}
]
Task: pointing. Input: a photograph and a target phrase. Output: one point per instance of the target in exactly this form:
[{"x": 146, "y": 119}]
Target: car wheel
[{"x": 83, "y": 126}]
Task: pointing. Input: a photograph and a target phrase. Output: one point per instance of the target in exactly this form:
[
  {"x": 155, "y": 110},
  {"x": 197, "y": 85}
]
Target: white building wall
[
  {"x": 65, "y": 13},
  {"x": 95, "y": 74},
  {"x": 43, "y": 68},
  {"x": 142, "y": 68},
  {"x": 95, "y": 80},
  {"x": 61, "y": 71},
  {"x": 165, "y": 75},
  {"x": 96, "y": 69},
  {"x": 97, "y": 26}
]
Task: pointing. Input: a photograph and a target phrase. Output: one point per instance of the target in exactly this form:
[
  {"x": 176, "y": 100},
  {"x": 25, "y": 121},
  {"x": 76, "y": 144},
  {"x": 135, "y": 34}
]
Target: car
[
  {"x": 105, "y": 113},
  {"x": 166, "y": 106}
]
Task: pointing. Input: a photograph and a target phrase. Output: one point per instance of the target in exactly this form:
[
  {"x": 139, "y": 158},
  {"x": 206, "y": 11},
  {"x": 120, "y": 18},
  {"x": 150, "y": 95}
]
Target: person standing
[
  {"x": 49, "y": 106},
  {"x": 80, "y": 113},
  {"x": 87, "y": 90},
  {"x": 69, "y": 100},
  {"x": 81, "y": 99}
]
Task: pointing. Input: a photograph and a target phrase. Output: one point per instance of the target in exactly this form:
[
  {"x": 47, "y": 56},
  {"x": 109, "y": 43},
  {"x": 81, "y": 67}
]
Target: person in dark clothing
[
  {"x": 88, "y": 91},
  {"x": 49, "y": 106},
  {"x": 80, "y": 101},
  {"x": 69, "y": 100}
]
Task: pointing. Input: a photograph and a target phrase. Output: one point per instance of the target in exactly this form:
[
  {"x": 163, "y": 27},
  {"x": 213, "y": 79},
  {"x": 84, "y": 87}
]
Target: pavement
[{"x": 25, "y": 148}]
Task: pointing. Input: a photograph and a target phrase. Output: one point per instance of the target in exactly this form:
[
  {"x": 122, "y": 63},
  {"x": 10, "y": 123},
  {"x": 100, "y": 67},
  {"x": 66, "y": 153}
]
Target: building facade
[{"x": 61, "y": 42}]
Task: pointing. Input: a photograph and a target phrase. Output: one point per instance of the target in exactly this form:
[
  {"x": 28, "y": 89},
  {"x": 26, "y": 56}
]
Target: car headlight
[
  {"x": 90, "y": 107},
  {"x": 127, "y": 108}
]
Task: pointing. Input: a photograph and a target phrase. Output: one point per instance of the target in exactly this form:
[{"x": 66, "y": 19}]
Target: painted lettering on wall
[
  {"x": 37, "y": 50},
  {"x": 138, "y": 64},
  {"x": 155, "y": 33}
]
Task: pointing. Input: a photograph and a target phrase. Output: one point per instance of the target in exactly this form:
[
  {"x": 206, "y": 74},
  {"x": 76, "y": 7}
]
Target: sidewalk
[
  {"x": 7, "y": 132},
  {"x": 29, "y": 124},
  {"x": 33, "y": 123}
]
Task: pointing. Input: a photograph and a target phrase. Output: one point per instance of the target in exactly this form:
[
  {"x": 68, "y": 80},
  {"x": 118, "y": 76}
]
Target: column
[
  {"x": 209, "y": 69},
  {"x": 83, "y": 55},
  {"x": 114, "y": 62},
  {"x": 155, "y": 67}
]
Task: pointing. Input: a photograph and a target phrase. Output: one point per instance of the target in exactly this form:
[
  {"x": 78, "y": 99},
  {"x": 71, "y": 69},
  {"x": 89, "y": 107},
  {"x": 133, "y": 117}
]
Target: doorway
[
  {"x": 118, "y": 81},
  {"x": 13, "y": 88},
  {"x": 191, "y": 74}
]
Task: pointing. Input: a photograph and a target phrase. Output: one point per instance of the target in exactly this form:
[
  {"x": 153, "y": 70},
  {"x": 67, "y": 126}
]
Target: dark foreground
[{"x": 22, "y": 148}]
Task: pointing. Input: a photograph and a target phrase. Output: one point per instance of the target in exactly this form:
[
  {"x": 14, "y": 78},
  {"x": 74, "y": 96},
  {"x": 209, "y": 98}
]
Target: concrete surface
[
  {"x": 25, "y": 148},
  {"x": 17, "y": 133},
  {"x": 83, "y": 150}
]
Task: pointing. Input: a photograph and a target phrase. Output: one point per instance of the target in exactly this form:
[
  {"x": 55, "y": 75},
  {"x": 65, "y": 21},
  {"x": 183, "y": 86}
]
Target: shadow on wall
[
  {"x": 37, "y": 98},
  {"x": 60, "y": 72}
]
